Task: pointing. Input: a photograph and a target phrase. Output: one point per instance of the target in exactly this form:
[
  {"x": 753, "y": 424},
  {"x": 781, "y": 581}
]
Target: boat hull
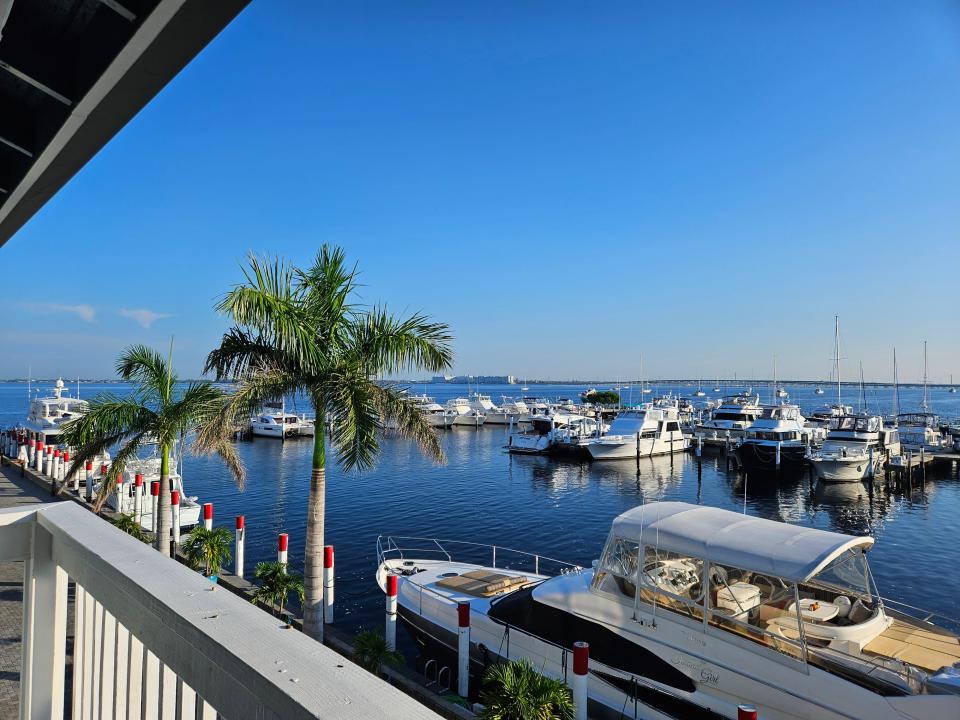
[
  {"x": 846, "y": 469},
  {"x": 763, "y": 458},
  {"x": 628, "y": 448},
  {"x": 469, "y": 420}
]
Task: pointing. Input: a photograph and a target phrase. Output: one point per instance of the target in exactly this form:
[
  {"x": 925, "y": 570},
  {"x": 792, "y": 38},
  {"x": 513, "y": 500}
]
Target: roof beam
[
  {"x": 119, "y": 9},
  {"x": 35, "y": 83}
]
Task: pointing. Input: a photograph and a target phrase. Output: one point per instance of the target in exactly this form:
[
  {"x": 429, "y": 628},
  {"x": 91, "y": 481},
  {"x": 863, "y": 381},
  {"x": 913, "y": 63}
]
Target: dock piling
[
  {"x": 88, "y": 481},
  {"x": 581, "y": 662},
  {"x": 282, "y": 542},
  {"x": 138, "y": 497},
  {"x": 746, "y": 712},
  {"x": 391, "y": 619},
  {"x": 328, "y": 584},
  {"x": 208, "y": 516},
  {"x": 154, "y": 494},
  {"x": 463, "y": 649},
  {"x": 175, "y": 511},
  {"x": 238, "y": 564}
]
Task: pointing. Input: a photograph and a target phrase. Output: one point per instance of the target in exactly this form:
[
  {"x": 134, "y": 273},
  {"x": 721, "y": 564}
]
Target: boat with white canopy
[
  {"x": 690, "y": 611},
  {"x": 857, "y": 448}
]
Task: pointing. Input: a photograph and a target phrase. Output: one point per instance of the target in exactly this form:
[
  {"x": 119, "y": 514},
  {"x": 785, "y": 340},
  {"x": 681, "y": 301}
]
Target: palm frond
[
  {"x": 349, "y": 403},
  {"x": 389, "y": 344},
  {"x": 107, "y": 422},
  {"x": 238, "y": 352},
  {"x": 148, "y": 368},
  {"x": 409, "y": 420}
]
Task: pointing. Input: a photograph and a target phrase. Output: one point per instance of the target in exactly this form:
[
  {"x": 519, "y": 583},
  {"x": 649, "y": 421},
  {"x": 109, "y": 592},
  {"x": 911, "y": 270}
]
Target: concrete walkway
[{"x": 14, "y": 491}]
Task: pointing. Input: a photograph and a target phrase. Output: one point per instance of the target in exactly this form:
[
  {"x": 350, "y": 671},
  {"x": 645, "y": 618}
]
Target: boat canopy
[{"x": 787, "y": 551}]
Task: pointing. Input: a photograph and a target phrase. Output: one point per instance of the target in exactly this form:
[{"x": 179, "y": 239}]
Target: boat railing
[
  {"x": 922, "y": 615},
  {"x": 400, "y": 547}
]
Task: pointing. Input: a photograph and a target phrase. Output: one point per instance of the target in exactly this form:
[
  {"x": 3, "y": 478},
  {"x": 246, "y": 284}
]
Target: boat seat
[{"x": 482, "y": 583}]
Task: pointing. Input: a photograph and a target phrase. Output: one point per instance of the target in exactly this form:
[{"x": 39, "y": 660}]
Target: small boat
[
  {"x": 777, "y": 440},
  {"x": 275, "y": 425},
  {"x": 652, "y": 429},
  {"x": 730, "y": 419},
  {"x": 857, "y": 448},
  {"x": 688, "y": 612},
  {"x": 818, "y": 391},
  {"x": 464, "y": 414},
  {"x": 556, "y": 431}
]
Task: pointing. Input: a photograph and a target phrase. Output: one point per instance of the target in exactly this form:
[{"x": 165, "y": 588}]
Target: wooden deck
[{"x": 923, "y": 648}]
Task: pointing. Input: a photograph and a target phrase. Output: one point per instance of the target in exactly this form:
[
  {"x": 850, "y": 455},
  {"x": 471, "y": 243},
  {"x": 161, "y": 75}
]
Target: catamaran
[{"x": 690, "y": 611}]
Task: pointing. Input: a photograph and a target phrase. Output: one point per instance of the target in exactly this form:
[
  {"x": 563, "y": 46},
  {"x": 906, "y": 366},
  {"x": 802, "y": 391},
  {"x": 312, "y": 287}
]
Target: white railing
[{"x": 153, "y": 640}]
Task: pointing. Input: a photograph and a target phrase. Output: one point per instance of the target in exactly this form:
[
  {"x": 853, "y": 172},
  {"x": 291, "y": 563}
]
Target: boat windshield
[{"x": 848, "y": 573}]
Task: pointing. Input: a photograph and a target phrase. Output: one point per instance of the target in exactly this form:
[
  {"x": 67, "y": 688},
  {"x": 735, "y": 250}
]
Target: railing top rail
[
  {"x": 236, "y": 656},
  {"x": 392, "y": 545}
]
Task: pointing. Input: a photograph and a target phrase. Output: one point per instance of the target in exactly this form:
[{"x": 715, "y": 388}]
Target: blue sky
[{"x": 566, "y": 184}]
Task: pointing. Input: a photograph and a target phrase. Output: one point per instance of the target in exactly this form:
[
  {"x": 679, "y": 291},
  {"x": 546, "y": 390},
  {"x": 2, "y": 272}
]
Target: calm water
[{"x": 560, "y": 509}]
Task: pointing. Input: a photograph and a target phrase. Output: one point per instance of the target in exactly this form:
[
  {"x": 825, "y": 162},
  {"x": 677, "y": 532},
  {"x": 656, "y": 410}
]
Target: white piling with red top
[
  {"x": 581, "y": 661},
  {"x": 54, "y": 469},
  {"x": 746, "y": 712},
  {"x": 76, "y": 476},
  {"x": 208, "y": 516},
  {"x": 463, "y": 649},
  {"x": 154, "y": 501},
  {"x": 391, "y": 629},
  {"x": 138, "y": 496},
  {"x": 282, "y": 541},
  {"x": 175, "y": 509},
  {"x": 88, "y": 480},
  {"x": 119, "y": 492},
  {"x": 238, "y": 555},
  {"x": 328, "y": 584},
  {"x": 38, "y": 457},
  {"x": 31, "y": 451}
]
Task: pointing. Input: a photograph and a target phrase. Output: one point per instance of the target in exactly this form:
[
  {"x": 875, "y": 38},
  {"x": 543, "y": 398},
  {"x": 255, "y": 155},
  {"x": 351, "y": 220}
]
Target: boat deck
[{"x": 916, "y": 646}]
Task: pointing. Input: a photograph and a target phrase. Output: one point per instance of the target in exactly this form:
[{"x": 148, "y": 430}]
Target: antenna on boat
[
  {"x": 862, "y": 399},
  {"x": 923, "y": 405},
  {"x": 29, "y": 381},
  {"x": 836, "y": 355},
  {"x": 896, "y": 389}
]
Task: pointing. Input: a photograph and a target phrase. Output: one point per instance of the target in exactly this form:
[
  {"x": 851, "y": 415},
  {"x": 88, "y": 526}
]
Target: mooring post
[
  {"x": 463, "y": 649},
  {"x": 391, "y": 619},
  {"x": 238, "y": 555},
  {"x": 154, "y": 496},
  {"x": 88, "y": 481},
  {"x": 328, "y": 584},
  {"x": 120, "y": 493},
  {"x": 581, "y": 661},
  {"x": 746, "y": 712},
  {"x": 208, "y": 516},
  {"x": 175, "y": 512},
  {"x": 138, "y": 496},
  {"x": 282, "y": 541}
]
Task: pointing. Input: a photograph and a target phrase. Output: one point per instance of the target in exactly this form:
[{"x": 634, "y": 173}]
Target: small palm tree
[
  {"x": 158, "y": 410},
  {"x": 276, "y": 584},
  {"x": 209, "y": 549},
  {"x": 299, "y": 331},
  {"x": 516, "y": 691},
  {"x": 128, "y": 523},
  {"x": 371, "y": 652}
]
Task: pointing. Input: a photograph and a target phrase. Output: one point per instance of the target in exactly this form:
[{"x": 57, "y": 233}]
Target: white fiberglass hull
[
  {"x": 501, "y": 418},
  {"x": 469, "y": 420},
  {"x": 720, "y": 669},
  {"x": 274, "y": 431},
  {"x": 845, "y": 469},
  {"x": 626, "y": 447}
]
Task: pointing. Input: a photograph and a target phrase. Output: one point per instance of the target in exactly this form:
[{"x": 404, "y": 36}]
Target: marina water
[{"x": 558, "y": 508}]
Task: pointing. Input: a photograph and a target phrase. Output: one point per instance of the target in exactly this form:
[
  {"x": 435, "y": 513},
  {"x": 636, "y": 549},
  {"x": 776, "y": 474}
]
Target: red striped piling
[
  {"x": 88, "y": 481},
  {"x": 463, "y": 649},
  {"x": 328, "y": 584},
  {"x": 120, "y": 507},
  {"x": 154, "y": 498},
  {"x": 238, "y": 555},
  {"x": 138, "y": 496},
  {"x": 581, "y": 662},
  {"x": 391, "y": 629},
  {"x": 38, "y": 456},
  {"x": 31, "y": 450},
  {"x": 175, "y": 510},
  {"x": 208, "y": 516},
  {"x": 53, "y": 469},
  {"x": 282, "y": 541},
  {"x": 746, "y": 712}
]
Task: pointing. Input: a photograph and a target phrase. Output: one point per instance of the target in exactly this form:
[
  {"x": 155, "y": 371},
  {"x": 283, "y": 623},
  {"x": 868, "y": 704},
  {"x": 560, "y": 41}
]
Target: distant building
[{"x": 475, "y": 379}]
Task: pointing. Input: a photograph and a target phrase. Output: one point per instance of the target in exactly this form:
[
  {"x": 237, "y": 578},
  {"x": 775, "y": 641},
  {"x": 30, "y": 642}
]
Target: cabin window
[
  {"x": 754, "y": 606},
  {"x": 673, "y": 581},
  {"x": 673, "y": 426},
  {"x": 617, "y": 570}
]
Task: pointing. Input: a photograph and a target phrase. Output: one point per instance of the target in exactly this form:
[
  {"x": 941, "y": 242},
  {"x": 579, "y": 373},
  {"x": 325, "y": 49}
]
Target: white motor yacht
[
  {"x": 493, "y": 415},
  {"x": 275, "y": 425},
  {"x": 778, "y": 440},
  {"x": 463, "y": 414},
  {"x": 857, "y": 448},
  {"x": 730, "y": 419},
  {"x": 689, "y": 612},
  {"x": 47, "y": 414},
  {"x": 922, "y": 431},
  {"x": 149, "y": 468},
  {"x": 555, "y": 431},
  {"x": 652, "y": 429}
]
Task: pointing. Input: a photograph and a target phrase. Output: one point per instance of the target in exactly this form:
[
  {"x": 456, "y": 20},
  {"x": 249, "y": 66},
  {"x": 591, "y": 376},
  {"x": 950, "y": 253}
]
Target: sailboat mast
[
  {"x": 862, "y": 400},
  {"x": 836, "y": 354},
  {"x": 896, "y": 388},
  {"x": 924, "y": 405}
]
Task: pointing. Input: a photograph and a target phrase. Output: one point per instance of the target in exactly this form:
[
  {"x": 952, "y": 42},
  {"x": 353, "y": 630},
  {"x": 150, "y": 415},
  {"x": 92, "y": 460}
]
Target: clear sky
[{"x": 566, "y": 184}]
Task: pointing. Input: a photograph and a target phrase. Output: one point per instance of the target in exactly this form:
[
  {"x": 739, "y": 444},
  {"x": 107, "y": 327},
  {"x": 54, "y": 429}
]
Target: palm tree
[
  {"x": 516, "y": 691},
  {"x": 371, "y": 651},
  {"x": 208, "y": 548},
  {"x": 276, "y": 584},
  {"x": 157, "y": 411},
  {"x": 299, "y": 331}
]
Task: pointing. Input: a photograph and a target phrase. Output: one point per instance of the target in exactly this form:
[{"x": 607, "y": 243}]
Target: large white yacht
[
  {"x": 463, "y": 413},
  {"x": 558, "y": 430},
  {"x": 493, "y": 415},
  {"x": 276, "y": 425},
  {"x": 689, "y": 612},
  {"x": 778, "y": 440},
  {"x": 47, "y": 414},
  {"x": 652, "y": 429},
  {"x": 922, "y": 431},
  {"x": 857, "y": 448},
  {"x": 730, "y": 419}
]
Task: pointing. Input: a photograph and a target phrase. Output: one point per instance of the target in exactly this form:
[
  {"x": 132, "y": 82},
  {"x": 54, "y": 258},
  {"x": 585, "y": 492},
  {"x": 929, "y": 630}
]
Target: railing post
[
  {"x": 463, "y": 649},
  {"x": 44, "y": 631},
  {"x": 391, "y": 626},
  {"x": 328, "y": 584},
  {"x": 581, "y": 662},
  {"x": 238, "y": 555}
]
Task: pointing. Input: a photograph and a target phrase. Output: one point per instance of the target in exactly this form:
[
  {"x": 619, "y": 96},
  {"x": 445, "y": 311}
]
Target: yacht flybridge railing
[
  {"x": 403, "y": 547},
  {"x": 153, "y": 639}
]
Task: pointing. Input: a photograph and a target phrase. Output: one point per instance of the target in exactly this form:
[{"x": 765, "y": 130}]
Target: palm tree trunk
[
  {"x": 163, "y": 503},
  {"x": 313, "y": 552}
]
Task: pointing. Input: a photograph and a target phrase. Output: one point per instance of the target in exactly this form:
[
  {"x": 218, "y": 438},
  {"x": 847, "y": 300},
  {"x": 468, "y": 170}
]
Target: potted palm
[
  {"x": 208, "y": 550},
  {"x": 302, "y": 331},
  {"x": 275, "y": 584},
  {"x": 516, "y": 691}
]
